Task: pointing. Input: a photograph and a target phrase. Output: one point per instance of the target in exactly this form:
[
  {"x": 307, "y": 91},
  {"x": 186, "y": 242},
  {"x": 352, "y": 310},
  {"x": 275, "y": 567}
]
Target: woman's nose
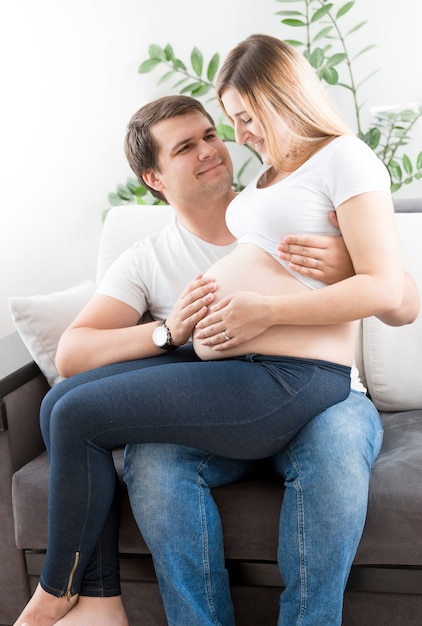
[{"x": 241, "y": 134}]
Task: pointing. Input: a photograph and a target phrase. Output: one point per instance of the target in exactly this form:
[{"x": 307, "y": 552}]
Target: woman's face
[{"x": 246, "y": 128}]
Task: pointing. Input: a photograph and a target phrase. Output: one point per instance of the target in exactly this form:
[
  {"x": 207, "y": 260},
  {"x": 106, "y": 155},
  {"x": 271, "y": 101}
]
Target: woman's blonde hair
[{"x": 281, "y": 90}]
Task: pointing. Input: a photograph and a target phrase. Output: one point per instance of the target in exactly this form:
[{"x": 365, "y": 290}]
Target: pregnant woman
[{"x": 259, "y": 380}]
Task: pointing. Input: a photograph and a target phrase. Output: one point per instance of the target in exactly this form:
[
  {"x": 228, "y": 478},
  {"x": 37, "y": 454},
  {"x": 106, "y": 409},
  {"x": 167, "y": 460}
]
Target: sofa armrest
[{"x": 22, "y": 387}]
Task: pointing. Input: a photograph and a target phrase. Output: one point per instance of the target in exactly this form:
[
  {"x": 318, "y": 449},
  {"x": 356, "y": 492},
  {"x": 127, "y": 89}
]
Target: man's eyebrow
[{"x": 182, "y": 142}]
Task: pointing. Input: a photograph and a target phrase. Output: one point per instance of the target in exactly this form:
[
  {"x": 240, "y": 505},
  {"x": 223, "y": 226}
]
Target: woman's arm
[
  {"x": 377, "y": 288},
  {"x": 326, "y": 258}
]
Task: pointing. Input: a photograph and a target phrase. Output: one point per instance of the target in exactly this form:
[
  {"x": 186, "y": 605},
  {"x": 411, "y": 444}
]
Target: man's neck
[{"x": 207, "y": 221}]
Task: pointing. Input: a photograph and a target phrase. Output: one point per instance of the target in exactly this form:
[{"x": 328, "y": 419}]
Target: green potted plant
[{"x": 331, "y": 51}]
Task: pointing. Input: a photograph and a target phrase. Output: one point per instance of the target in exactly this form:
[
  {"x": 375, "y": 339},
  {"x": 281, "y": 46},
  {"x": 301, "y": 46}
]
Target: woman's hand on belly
[{"x": 241, "y": 316}]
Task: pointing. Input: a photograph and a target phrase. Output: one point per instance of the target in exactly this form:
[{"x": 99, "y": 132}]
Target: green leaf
[
  {"x": 179, "y": 65},
  {"x": 182, "y": 81},
  {"x": 293, "y": 22},
  {"x": 169, "y": 53},
  {"x": 317, "y": 58},
  {"x": 322, "y": 33},
  {"x": 226, "y": 132},
  {"x": 201, "y": 90},
  {"x": 364, "y": 50},
  {"x": 407, "y": 164},
  {"x": 355, "y": 28},
  {"x": 295, "y": 43},
  {"x": 395, "y": 170},
  {"x": 156, "y": 52},
  {"x": 196, "y": 89},
  {"x": 320, "y": 13},
  {"x": 124, "y": 192},
  {"x": 135, "y": 186},
  {"x": 344, "y": 9},
  {"x": 165, "y": 77},
  {"x": 148, "y": 65},
  {"x": 419, "y": 161},
  {"x": 290, "y": 13},
  {"x": 114, "y": 199},
  {"x": 336, "y": 59},
  {"x": 372, "y": 137},
  {"x": 197, "y": 61},
  {"x": 213, "y": 67},
  {"x": 330, "y": 75}
]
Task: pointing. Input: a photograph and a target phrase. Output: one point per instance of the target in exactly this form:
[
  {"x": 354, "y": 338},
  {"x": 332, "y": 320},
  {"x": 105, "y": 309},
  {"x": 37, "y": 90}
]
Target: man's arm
[{"x": 108, "y": 331}]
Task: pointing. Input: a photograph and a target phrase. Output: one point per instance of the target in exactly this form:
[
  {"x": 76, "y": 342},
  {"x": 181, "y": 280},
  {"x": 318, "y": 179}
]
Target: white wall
[{"x": 69, "y": 84}]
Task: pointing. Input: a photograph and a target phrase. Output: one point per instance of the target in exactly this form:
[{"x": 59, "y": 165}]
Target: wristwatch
[{"x": 162, "y": 337}]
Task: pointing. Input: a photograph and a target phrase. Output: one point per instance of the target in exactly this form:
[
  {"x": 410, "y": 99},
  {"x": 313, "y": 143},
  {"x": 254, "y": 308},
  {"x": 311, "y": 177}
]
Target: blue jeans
[
  {"x": 247, "y": 407},
  {"x": 326, "y": 471}
]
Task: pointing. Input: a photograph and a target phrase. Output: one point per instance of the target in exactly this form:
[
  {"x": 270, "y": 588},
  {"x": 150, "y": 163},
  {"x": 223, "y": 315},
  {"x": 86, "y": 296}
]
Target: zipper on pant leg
[{"x": 70, "y": 581}]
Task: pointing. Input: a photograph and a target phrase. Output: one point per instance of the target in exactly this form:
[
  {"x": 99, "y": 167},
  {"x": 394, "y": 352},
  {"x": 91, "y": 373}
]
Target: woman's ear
[{"x": 151, "y": 178}]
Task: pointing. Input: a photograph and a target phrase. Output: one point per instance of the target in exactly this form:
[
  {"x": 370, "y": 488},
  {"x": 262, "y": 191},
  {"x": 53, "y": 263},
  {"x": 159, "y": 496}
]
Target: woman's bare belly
[{"x": 249, "y": 268}]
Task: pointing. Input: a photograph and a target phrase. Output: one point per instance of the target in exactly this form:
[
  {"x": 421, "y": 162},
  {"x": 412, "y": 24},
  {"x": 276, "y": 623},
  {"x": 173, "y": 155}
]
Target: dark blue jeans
[{"x": 246, "y": 408}]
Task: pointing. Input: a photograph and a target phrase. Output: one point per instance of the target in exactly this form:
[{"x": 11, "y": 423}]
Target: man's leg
[
  {"x": 169, "y": 488},
  {"x": 326, "y": 470}
]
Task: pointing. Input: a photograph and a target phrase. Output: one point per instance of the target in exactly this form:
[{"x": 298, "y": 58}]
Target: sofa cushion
[
  {"x": 392, "y": 533},
  {"x": 41, "y": 320},
  {"x": 393, "y": 529},
  {"x": 392, "y": 356},
  {"x": 30, "y": 498}
]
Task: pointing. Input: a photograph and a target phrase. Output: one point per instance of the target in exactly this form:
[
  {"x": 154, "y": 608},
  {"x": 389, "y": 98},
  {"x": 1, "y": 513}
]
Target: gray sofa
[{"x": 385, "y": 585}]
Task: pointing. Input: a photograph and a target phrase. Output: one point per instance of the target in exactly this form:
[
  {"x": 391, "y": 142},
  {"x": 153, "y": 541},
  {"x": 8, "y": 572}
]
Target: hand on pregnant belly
[{"x": 235, "y": 319}]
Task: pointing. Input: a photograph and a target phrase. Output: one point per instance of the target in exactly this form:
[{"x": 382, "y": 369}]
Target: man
[{"x": 172, "y": 144}]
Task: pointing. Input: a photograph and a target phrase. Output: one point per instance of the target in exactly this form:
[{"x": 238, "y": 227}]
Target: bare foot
[
  {"x": 44, "y": 609},
  {"x": 93, "y": 611}
]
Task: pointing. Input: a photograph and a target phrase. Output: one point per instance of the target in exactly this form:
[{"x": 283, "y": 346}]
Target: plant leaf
[
  {"x": 148, "y": 65},
  {"x": 169, "y": 53},
  {"x": 165, "y": 77},
  {"x": 293, "y": 22},
  {"x": 322, "y": 12},
  {"x": 330, "y": 75},
  {"x": 156, "y": 52},
  {"x": 355, "y": 28},
  {"x": 197, "y": 61},
  {"x": 344, "y": 9},
  {"x": 337, "y": 58},
  {"x": 407, "y": 164},
  {"x": 323, "y": 33},
  {"x": 124, "y": 192},
  {"x": 213, "y": 66},
  {"x": 317, "y": 58}
]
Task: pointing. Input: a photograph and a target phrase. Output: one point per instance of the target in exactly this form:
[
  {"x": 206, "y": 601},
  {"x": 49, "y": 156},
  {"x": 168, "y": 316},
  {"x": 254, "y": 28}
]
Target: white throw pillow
[{"x": 42, "y": 319}]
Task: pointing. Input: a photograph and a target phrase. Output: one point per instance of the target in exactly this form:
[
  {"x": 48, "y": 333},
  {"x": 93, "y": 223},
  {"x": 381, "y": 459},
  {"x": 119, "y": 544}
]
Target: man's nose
[{"x": 206, "y": 150}]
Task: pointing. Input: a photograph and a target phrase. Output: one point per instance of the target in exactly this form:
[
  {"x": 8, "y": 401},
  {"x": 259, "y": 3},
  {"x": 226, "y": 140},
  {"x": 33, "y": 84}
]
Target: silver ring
[
  {"x": 225, "y": 335},
  {"x": 315, "y": 263}
]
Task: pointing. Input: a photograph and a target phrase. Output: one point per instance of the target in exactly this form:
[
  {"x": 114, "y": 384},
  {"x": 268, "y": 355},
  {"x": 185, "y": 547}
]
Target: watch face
[{"x": 160, "y": 337}]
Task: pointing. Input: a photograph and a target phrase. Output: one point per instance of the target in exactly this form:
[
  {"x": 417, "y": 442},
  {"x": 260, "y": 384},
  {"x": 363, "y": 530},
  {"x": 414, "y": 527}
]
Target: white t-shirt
[
  {"x": 151, "y": 275},
  {"x": 301, "y": 202}
]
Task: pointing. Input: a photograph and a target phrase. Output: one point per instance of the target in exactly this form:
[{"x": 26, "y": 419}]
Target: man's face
[{"x": 194, "y": 164}]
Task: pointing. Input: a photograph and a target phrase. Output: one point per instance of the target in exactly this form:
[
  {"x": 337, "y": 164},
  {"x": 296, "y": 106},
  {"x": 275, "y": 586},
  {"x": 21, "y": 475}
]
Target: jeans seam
[
  {"x": 301, "y": 537},
  {"x": 204, "y": 532}
]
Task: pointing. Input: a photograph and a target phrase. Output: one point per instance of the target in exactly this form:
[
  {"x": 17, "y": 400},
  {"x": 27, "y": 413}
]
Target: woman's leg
[
  {"x": 101, "y": 579},
  {"x": 240, "y": 408},
  {"x": 326, "y": 468}
]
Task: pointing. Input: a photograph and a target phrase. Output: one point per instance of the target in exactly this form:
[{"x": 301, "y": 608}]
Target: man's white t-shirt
[{"x": 152, "y": 274}]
